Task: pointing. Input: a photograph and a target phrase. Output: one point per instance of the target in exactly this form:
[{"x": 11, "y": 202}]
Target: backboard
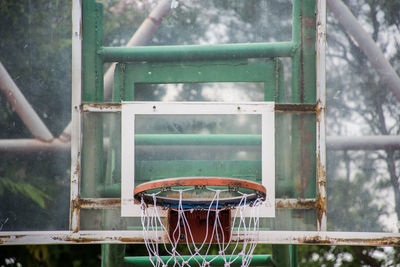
[
  {"x": 178, "y": 111},
  {"x": 234, "y": 99}
]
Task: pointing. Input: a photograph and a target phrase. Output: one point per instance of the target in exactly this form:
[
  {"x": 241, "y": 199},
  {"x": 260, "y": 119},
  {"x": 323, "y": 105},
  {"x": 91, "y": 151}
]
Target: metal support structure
[
  {"x": 257, "y": 260},
  {"x": 320, "y": 46},
  {"x": 22, "y": 107},
  {"x": 140, "y": 37},
  {"x": 380, "y": 142},
  {"x": 317, "y": 104},
  {"x": 27, "y": 146},
  {"x": 197, "y": 52},
  {"x": 268, "y": 237},
  {"x": 74, "y": 219},
  {"x": 363, "y": 142}
]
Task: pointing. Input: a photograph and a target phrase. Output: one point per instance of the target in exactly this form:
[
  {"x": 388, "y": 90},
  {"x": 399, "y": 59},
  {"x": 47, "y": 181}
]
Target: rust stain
[
  {"x": 92, "y": 203},
  {"x": 78, "y": 239},
  {"x": 315, "y": 240},
  {"x": 300, "y": 203},
  {"x": 77, "y": 169},
  {"x": 75, "y": 209},
  {"x": 100, "y": 106},
  {"x": 318, "y": 240},
  {"x": 321, "y": 183},
  {"x": 319, "y": 107},
  {"x": 385, "y": 241},
  {"x": 95, "y": 203},
  {"x": 131, "y": 240},
  {"x": 295, "y": 108}
]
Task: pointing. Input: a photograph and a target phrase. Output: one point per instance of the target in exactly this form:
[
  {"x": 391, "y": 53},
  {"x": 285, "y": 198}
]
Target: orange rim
[{"x": 200, "y": 181}]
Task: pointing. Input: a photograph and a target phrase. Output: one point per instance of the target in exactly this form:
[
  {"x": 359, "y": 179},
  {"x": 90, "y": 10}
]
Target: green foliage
[
  {"x": 55, "y": 255},
  {"x": 25, "y": 189}
]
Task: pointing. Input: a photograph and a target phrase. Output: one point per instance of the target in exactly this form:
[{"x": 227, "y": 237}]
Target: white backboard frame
[{"x": 131, "y": 109}]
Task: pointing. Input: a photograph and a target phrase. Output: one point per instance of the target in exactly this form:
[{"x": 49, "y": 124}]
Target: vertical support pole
[
  {"x": 293, "y": 255},
  {"x": 307, "y": 124},
  {"x": 296, "y": 39},
  {"x": 111, "y": 254},
  {"x": 92, "y": 91},
  {"x": 281, "y": 255},
  {"x": 304, "y": 91},
  {"x": 92, "y": 83},
  {"x": 75, "y": 114},
  {"x": 321, "y": 102}
]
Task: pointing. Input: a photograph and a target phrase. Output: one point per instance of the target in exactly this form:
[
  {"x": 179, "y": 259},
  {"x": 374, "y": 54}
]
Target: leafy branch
[{"x": 25, "y": 189}]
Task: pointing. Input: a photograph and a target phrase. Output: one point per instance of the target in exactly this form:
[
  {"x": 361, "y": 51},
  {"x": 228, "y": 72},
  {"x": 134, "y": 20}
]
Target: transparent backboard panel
[
  {"x": 287, "y": 144},
  {"x": 362, "y": 182},
  {"x": 285, "y": 220},
  {"x": 217, "y": 92},
  {"x": 202, "y": 22},
  {"x": 197, "y": 145},
  {"x": 35, "y": 42}
]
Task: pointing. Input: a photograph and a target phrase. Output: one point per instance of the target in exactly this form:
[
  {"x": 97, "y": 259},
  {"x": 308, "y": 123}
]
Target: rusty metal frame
[
  {"x": 75, "y": 236},
  {"x": 76, "y": 115},
  {"x": 266, "y": 237},
  {"x": 321, "y": 116}
]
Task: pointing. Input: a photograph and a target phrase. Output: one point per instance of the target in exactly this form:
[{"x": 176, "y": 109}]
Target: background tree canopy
[{"x": 363, "y": 186}]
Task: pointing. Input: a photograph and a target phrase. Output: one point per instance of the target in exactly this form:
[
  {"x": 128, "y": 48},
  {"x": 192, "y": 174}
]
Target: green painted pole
[
  {"x": 257, "y": 260},
  {"x": 198, "y": 139},
  {"x": 281, "y": 255},
  {"x": 92, "y": 85},
  {"x": 296, "y": 58},
  {"x": 196, "y": 52},
  {"x": 293, "y": 255}
]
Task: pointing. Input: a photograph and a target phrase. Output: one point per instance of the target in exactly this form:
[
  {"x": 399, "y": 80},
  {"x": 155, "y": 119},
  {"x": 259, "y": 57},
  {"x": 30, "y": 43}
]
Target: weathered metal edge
[
  {"x": 116, "y": 107},
  {"x": 265, "y": 237}
]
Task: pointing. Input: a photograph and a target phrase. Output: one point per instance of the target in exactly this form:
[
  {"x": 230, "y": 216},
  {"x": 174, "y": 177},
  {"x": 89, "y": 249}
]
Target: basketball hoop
[{"x": 199, "y": 215}]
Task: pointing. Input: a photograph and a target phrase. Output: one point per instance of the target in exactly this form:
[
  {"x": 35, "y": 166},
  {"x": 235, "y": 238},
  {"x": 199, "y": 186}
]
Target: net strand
[{"x": 155, "y": 233}]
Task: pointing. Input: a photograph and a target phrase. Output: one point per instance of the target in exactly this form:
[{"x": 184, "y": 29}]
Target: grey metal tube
[
  {"x": 257, "y": 260},
  {"x": 22, "y": 107},
  {"x": 367, "y": 45},
  {"x": 197, "y": 52},
  {"x": 333, "y": 143},
  {"x": 363, "y": 142},
  {"x": 25, "y": 146}
]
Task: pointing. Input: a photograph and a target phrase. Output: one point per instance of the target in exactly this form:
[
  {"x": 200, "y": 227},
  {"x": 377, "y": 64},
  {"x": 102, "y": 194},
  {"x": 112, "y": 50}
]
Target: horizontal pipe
[
  {"x": 363, "y": 142},
  {"x": 333, "y": 143},
  {"x": 256, "y": 260},
  {"x": 198, "y": 139},
  {"x": 265, "y": 237},
  {"x": 196, "y": 52},
  {"x": 22, "y": 146},
  {"x": 26, "y": 146}
]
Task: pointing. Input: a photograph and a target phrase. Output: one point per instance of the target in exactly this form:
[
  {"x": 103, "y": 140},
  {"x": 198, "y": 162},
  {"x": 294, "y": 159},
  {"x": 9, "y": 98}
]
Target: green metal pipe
[
  {"x": 257, "y": 260},
  {"x": 296, "y": 59},
  {"x": 196, "y": 52},
  {"x": 198, "y": 139}
]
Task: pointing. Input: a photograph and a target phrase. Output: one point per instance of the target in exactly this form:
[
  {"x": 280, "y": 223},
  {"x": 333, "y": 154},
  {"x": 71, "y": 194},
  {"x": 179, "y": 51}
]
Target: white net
[{"x": 179, "y": 243}]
